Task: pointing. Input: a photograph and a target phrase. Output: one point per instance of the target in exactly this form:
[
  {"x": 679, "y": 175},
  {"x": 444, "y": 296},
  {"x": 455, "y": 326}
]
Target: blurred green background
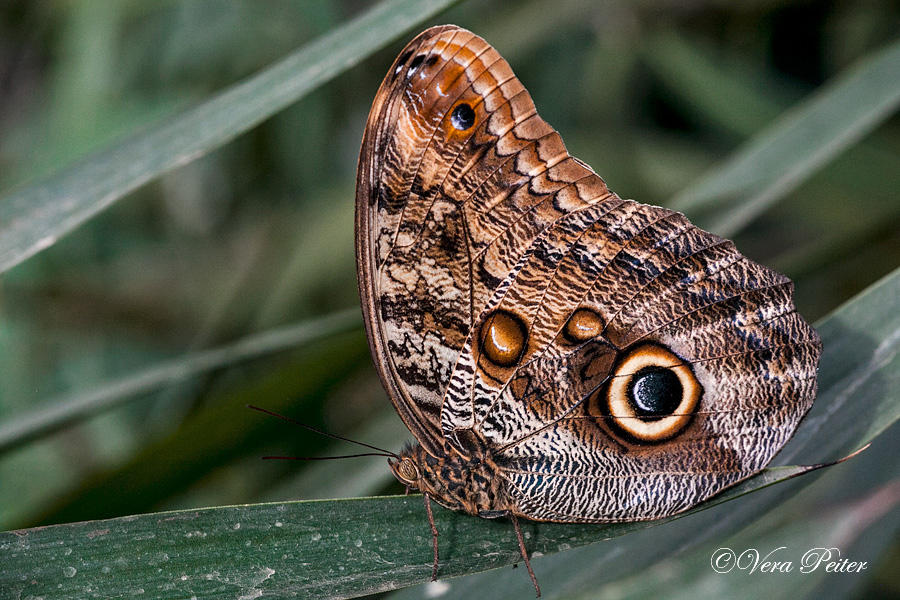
[{"x": 258, "y": 235}]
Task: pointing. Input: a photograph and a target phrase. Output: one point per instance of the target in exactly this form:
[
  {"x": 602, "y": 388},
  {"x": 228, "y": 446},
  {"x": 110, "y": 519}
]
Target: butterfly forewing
[{"x": 448, "y": 199}]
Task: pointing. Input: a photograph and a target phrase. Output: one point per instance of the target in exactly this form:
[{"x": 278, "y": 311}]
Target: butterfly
[{"x": 560, "y": 354}]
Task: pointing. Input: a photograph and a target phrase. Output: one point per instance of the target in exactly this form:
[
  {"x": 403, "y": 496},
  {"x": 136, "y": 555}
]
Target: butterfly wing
[
  {"x": 515, "y": 306},
  {"x": 612, "y": 299},
  {"x": 457, "y": 176}
]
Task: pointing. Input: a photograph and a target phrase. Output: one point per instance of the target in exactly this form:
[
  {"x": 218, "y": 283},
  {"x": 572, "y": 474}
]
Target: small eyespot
[
  {"x": 583, "y": 325},
  {"x": 503, "y": 338},
  {"x": 462, "y": 117},
  {"x": 414, "y": 65},
  {"x": 652, "y": 394},
  {"x": 401, "y": 62}
]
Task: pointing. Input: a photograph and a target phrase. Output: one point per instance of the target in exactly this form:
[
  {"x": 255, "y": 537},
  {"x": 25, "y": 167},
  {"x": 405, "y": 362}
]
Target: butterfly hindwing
[{"x": 650, "y": 284}]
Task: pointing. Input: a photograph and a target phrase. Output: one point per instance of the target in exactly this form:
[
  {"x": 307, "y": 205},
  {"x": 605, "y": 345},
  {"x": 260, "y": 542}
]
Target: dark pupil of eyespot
[
  {"x": 655, "y": 392},
  {"x": 414, "y": 65},
  {"x": 463, "y": 117}
]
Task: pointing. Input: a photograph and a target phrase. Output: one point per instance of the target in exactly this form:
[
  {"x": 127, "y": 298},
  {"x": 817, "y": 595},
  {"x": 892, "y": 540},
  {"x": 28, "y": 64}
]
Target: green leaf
[
  {"x": 168, "y": 466},
  {"x": 852, "y": 517},
  {"x": 57, "y": 413},
  {"x": 337, "y": 548},
  {"x": 725, "y": 91},
  {"x": 35, "y": 217},
  {"x": 347, "y": 548},
  {"x": 799, "y": 143}
]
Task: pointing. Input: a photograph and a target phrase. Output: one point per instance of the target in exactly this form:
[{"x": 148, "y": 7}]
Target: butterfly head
[
  {"x": 405, "y": 469},
  {"x": 452, "y": 480}
]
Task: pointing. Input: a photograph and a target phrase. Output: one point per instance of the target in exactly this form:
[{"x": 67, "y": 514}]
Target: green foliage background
[{"x": 176, "y": 241}]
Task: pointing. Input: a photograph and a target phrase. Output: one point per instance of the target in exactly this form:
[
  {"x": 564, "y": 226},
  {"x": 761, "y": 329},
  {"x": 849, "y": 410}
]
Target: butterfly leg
[
  {"x": 434, "y": 538},
  {"x": 524, "y": 552}
]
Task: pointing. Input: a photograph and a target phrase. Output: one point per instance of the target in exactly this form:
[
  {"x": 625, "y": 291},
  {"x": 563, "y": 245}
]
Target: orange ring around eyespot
[{"x": 623, "y": 411}]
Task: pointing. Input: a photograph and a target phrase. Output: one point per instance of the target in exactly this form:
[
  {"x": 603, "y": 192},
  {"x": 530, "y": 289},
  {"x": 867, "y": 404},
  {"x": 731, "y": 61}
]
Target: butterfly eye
[
  {"x": 406, "y": 471},
  {"x": 462, "y": 117},
  {"x": 583, "y": 325},
  {"x": 503, "y": 338},
  {"x": 652, "y": 394}
]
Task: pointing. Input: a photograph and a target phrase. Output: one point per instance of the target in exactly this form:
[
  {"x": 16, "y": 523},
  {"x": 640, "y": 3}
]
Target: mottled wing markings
[
  {"x": 735, "y": 420},
  {"x": 456, "y": 223},
  {"x": 446, "y": 214},
  {"x": 558, "y": 301}
]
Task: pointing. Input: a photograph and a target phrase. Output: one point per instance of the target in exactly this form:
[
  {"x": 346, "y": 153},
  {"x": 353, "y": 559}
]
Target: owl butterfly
[{"x": 560, "y": 354}]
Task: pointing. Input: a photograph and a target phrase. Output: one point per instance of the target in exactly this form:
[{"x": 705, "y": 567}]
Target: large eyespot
[
  {"x": 652, "y": 394},
  {"x": 503, "y": 338},
  {"x": 583, "y": 325},
  {"x": 462, "y": 117}
]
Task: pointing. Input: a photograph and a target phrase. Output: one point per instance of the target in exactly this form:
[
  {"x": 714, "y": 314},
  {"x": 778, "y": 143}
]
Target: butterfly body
[
  {"x": 559, "y": 353},
  {"x": 466, "y": 484}
]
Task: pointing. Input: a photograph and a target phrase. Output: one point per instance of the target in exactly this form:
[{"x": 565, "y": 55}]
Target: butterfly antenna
[
  {"x": 381, "y": 451},
  {"x": 328, "y": 457}
]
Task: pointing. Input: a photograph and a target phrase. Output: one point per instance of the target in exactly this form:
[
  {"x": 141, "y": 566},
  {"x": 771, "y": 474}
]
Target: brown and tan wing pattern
[
  {"x": 611, "y": 294},
  {"x": 609, "y": 360},
  {"x": 457, "y": 177}
]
